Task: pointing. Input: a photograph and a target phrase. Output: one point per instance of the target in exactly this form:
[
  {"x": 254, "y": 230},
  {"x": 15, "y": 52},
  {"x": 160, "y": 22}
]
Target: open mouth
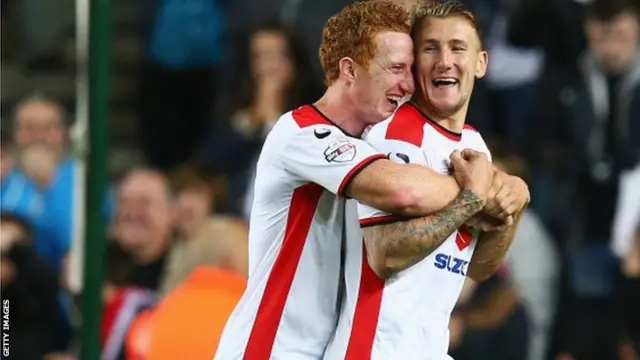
[
  {"x": 395, "y": 100},
  {"x": 445, "y": 82}
]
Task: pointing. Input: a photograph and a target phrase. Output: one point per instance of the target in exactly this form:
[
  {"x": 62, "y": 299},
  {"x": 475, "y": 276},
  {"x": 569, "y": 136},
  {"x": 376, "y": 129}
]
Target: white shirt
[
  {"x": 289, "y": 309},
  {"x": 407, "y": 316}
]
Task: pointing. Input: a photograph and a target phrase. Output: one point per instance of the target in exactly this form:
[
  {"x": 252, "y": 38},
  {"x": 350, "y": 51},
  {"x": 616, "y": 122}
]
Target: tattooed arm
[{"x": 394, "y": 247}]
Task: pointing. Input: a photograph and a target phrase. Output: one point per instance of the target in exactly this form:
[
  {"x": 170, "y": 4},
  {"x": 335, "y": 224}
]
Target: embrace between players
[{"x": 369, "y": 212}]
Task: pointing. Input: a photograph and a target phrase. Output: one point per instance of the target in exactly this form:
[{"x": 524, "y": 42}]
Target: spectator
[
  {"x": 306, "y": 17},
  {"x": 183, "y": 43},
  {"x": 30, "y": 285},
  {"x": 533, "y": 263},
  {"x": 41, "y": 187},
  {"x": 144, "y": 224},
  {"x": 203, "y": 236},
  {"x": 587, "y": 135},
  {"x": 274, "y": 81},
  {"x": 490, "y": 322},
  {"x": 202, "y": 303}
]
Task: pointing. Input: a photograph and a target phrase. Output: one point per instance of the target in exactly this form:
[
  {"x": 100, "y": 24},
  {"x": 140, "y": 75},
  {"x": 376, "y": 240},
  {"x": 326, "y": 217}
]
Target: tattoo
[{"x": 399, "y": 245}]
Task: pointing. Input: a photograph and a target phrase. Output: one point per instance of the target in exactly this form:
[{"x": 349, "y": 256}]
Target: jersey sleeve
[
  {"x": 324, "y": 155},
  {"x": 403, "y": 153}
]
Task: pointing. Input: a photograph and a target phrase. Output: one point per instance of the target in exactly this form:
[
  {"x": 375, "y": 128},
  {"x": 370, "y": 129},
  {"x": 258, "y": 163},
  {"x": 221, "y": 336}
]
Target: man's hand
[
  {"x": 507, "y": 196},
  {"x": 473, "y": 171}
]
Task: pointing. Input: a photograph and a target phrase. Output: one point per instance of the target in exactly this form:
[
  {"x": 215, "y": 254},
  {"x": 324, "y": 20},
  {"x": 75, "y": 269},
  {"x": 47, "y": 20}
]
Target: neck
[
  {"x": 335, "y": 105},
  {"x": 454, "y": 122}
]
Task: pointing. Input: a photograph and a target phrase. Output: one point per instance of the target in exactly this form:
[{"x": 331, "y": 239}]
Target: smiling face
[
  {"x": 449, "y": 57},
  {"x": 379, "y": 88}
]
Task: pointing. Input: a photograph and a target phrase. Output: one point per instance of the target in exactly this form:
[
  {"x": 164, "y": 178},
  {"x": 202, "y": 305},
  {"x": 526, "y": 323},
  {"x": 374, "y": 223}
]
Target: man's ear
[
  {"x": 481, "y": 67},
  {"x": 347, "y": 69}
]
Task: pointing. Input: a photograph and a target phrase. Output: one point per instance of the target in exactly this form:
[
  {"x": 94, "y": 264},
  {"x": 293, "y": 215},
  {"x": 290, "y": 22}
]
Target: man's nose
[
  {"x": 445, "y": 60},
  {"x": 407, "y": 85}
]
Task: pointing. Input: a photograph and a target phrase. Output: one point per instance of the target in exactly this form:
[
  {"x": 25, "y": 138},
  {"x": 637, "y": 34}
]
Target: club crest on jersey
[{"x": 340, "y": 151}]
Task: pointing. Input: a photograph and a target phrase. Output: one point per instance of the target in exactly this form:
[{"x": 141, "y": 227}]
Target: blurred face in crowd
[
  {"x": 194, "y": 205},
  {"x": 379, "y": 89},
  {"x": 614, "y": 43},
  {"x": 40, "y": 122},
  {"x": 144, "y": 211},
  {"x": 270, "y": 57},
  {"x": 449, "y": 57},
  {"x": 39, "y": 162}
]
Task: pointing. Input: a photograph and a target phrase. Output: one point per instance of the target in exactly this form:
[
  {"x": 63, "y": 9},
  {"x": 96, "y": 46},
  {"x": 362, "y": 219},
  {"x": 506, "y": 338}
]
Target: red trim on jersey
[
  {"x": 356, "y": 170},
  {"x": 407, "y": 126},
  {"x": 302, "y": 209},
  {"x": 451, "y": 135},
  {"x": 469, "y": 127},
  {"x": 463, "y": 238},
  {"x": 380, "y": 220},
  {"x": 307, "y": 116},
  {"x": 365, "y": 318}
]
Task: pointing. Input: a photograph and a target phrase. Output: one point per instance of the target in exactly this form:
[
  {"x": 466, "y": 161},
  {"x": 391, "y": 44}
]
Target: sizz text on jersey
[{"x": 451, "y": 264}]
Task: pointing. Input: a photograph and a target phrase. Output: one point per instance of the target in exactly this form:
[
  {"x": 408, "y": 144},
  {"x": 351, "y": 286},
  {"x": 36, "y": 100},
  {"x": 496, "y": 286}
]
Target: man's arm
[
  {"x": 407, "y": 190},
  {"x": 394, "y": 247},
  {"x": 491, "y": 249}
]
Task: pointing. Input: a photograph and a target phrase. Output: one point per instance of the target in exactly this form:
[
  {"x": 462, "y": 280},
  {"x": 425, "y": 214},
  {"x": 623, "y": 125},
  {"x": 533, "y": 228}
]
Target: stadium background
[{"x": 193, "y": 88}]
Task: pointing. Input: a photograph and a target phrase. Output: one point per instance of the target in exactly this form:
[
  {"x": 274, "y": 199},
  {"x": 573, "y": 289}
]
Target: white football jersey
[
  {"x": 290, "y": 307},
  {"x": 407, "y": 316}
]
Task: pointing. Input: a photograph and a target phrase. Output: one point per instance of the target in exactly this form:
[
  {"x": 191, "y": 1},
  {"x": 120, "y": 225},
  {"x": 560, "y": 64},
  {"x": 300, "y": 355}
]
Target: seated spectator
[
  {"x": 489, "y": 322},
  {"x": 144, "y": 224},
  {"x": 533, "y": 262},
  {"x": 202, "y": 303},
  {"x": 202, "y": 235},
  {"x": 274, "y": 81},
  {"x": 30, "y": 286},
  {"x": 41, "y": 187}
]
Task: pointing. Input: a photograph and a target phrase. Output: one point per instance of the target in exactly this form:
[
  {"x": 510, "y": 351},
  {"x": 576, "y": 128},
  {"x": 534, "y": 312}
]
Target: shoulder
[
  {"x": 405, "y": 125},
  {"x": 473, "y": 138}
]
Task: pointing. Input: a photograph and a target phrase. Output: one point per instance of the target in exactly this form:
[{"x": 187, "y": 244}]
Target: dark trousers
[
  {"x": 174, "y": 109},
  {"x": 510, "y": 341}
]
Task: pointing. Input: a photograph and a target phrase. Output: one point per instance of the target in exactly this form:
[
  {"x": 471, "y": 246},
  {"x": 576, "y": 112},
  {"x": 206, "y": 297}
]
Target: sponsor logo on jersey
[
  {"x": 340, "y": 151},
  {"x": 321, "y": 133},
  {"x": 451, "y": 264}
]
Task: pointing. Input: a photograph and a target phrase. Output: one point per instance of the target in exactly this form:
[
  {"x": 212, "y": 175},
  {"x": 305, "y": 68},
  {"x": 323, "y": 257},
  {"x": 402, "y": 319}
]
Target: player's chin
[
  {"x": 444, "y": 105},
  {"x": 387, "y": 110}
]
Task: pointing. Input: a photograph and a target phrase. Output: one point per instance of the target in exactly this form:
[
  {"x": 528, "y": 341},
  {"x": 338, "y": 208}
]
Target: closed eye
[{"x": 397, "y": 69}]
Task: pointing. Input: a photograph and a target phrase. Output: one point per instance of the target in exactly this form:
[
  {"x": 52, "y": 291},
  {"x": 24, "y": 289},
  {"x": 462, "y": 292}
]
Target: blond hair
[{"x": 426, "y": 9}]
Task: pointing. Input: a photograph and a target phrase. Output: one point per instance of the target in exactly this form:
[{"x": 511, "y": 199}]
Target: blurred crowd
[{"x": 560, "y": 105}]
